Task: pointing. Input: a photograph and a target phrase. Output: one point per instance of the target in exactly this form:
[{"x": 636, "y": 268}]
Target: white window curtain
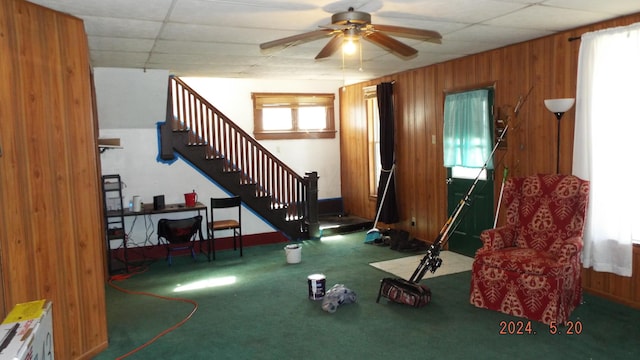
[
  {"x": 605, "y": 151},
  {"x": 467, "y": 129}
]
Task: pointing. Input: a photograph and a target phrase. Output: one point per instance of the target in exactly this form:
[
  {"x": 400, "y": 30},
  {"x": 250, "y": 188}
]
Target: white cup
[{"x": 137, "y": 203}]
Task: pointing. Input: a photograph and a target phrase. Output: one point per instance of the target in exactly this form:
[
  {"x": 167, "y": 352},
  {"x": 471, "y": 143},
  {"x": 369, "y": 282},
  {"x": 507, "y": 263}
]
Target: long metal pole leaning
[
  {"x": 374, "y": 234},
  {"x": 384, "y": 194},
  {"x": 431, "y": 261},
  {"x": 505, "y": 172}
]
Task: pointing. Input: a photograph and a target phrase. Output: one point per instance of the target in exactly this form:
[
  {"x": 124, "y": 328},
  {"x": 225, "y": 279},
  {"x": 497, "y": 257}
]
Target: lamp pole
[{"x": 558, "y": 116}]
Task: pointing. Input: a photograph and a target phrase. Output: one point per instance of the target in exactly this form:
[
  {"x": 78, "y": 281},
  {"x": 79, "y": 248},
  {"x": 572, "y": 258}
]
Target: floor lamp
[{"x": 559, "y": 107}]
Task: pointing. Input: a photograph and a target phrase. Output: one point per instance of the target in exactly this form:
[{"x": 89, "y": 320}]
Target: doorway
[
  {"x": 477, "y": 215},
  {"x": 468, "y": 143}
]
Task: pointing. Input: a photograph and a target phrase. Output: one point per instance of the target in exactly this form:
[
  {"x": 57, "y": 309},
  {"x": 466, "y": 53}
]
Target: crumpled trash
[{"x": 336, "y": 296}]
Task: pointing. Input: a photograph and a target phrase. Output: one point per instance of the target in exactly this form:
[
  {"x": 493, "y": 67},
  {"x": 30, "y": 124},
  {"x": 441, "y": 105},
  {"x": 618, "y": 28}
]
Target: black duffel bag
[{"x": 404, "y": 292}]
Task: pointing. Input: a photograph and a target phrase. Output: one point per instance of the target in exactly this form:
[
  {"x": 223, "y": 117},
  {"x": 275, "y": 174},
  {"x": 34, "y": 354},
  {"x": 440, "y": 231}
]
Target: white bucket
[{"x": 294, "y": 253}]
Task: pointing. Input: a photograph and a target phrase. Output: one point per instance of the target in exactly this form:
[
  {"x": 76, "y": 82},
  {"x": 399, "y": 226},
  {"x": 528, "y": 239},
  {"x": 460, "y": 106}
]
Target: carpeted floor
[{"x": 257, "y": 307}]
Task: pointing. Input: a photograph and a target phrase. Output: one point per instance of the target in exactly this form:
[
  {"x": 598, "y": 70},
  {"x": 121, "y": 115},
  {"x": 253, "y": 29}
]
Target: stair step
[
  {"x": 252, "y": 196},
  {"x": 231, "y": 139}
]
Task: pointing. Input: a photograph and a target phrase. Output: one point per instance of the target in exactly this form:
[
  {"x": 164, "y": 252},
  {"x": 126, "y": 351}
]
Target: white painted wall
[
  {"x": 132, "y": 102},
  {"x": 233, "y": 98}
]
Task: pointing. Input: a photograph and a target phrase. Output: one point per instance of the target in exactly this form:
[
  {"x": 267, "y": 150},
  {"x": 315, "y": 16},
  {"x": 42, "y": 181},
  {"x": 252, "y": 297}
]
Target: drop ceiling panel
[
  {"x": 451, "y": 10},
  {"x": 545, "y": 18},
  {"x": 205, "y": 48},
  {"x": 221, "y": 37},
  {"x": 119, "y": 59},
  {"x": 119, "y": 27},
  {"x": 120, "y": 44},
  {"x": 155, "y": 10},
  {"x": 221, "y": 34},
  {"x": 247, "y": 15},
  {"x": 495, "y": 35},
  {"x": 615, "y": 8}
]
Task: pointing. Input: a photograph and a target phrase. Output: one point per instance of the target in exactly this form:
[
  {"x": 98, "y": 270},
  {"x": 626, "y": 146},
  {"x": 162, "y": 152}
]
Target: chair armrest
[
  {"x": 571, "y": 247},
  {"x": 498, "y": 238}
]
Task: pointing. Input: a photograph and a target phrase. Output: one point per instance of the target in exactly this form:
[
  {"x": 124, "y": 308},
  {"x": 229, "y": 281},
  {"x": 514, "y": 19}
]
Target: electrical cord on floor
[{"x": 163, "y": 333}]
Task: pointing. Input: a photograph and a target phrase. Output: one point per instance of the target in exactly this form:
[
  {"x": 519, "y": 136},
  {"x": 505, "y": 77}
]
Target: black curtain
[{"x": 389, "y": 211}]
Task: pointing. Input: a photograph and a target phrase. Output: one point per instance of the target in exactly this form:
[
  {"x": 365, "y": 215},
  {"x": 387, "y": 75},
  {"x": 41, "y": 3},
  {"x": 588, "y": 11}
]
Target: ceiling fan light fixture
[
  {"x": 349, "y": 46},
  {"x": 349, "y": 28},
  {"x": 351, "y": 41}
]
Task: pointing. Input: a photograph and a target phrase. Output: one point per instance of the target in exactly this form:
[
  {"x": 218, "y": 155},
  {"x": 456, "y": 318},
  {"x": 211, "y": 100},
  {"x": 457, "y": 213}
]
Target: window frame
[
  {"x": 373, "y": 138},
  {"x": 490, "y": 108},
  {"x": 293, "y": 101}
]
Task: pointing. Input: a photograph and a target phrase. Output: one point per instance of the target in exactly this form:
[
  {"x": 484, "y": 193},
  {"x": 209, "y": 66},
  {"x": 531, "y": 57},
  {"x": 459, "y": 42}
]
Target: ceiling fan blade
[
  {"x": 427, "y": 35},
  {"x": 296, "y": 39},
  {"x": 332, "y": 46},
  {"x": 391, "y": 44}
]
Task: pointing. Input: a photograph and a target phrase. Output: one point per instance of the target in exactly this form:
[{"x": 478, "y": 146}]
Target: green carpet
[{"x": 266, "y": 314}]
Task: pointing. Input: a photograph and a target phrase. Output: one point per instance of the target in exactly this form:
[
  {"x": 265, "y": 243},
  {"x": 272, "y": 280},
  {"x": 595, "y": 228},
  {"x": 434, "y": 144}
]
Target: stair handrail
[{"x": 206, "y": 124}]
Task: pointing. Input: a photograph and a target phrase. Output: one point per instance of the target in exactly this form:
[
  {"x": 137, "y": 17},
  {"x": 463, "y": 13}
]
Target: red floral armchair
[{"x": 531, "y": 266}]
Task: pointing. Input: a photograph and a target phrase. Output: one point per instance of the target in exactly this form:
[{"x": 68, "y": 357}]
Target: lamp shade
[{"x": 559, "y": 105}]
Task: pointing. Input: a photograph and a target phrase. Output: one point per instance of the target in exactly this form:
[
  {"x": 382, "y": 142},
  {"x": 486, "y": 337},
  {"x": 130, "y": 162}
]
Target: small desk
[{"x": 147, "y": 209}]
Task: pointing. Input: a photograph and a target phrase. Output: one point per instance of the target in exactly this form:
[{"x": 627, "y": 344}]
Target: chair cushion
[
  {"x": 224, "y": 224},
  {"x": 522, "y": 260}
]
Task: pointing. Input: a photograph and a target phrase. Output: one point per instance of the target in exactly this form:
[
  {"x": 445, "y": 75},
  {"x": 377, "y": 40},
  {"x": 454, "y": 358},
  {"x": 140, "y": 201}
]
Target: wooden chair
[
  {"x": 231, "y": 222},
  {"x": 179, "y": 234}
]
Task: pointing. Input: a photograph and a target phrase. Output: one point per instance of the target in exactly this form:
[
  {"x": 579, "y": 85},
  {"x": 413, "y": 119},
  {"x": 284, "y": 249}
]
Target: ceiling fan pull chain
[
  {"x": 360, "y": 47},
  {"x": 344, "y": 76}
]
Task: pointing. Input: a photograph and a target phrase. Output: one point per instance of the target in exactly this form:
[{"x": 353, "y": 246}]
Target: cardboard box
[{"x": 27, "y": 332}]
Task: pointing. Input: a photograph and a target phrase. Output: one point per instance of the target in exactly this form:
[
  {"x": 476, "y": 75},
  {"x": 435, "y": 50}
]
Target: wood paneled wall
[
  {"x": 52, "y": 230},
  {"x": 547, "y": 66},
  {"x": 622, "y": 289}
]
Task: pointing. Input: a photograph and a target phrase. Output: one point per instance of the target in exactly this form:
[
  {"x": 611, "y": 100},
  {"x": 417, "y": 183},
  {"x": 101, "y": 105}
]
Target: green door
[
  {"x": 477, "y": 215},
  {"x": 468, "y": 143}
]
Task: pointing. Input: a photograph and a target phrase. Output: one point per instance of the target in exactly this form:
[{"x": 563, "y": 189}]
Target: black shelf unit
[{"x": 114, "y": 223}]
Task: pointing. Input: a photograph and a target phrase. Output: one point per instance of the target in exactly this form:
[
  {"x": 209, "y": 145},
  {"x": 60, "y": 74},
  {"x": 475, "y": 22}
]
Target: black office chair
[
  {"x": 179, "y": 234},
  {"x": 234, "y": 223}
]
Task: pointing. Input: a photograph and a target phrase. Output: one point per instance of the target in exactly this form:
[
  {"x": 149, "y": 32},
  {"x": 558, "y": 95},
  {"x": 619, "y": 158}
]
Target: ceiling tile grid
[{"x": 221, "y": 38}]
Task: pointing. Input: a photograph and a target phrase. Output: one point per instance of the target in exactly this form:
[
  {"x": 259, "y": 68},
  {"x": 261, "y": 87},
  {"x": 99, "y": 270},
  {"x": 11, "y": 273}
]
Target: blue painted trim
[
  {"x": 230, "y": 194},
  {"x": 178, "y": 156},
  {"x": 159, "y": 158}
]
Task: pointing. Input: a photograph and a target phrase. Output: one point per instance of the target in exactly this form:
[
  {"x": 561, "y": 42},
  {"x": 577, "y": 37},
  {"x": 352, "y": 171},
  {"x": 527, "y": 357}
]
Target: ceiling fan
[{"x": 353, "y": 24}]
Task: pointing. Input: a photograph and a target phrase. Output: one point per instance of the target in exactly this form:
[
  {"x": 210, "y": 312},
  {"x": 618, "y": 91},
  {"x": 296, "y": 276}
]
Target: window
[
  {"x": 373, "y": 127},
  {"x": 467, "y": 128},
  {"x": 293, "y": 116},
  {"x": 605, "y": 137}
]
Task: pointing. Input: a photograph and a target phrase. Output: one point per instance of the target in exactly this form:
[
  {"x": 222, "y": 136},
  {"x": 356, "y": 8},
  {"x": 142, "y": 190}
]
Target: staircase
[{"x": 206, "y": 138}]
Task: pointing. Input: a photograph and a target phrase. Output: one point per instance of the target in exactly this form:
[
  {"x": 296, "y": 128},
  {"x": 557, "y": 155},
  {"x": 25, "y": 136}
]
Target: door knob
[{"x": 449, "y": 181}]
